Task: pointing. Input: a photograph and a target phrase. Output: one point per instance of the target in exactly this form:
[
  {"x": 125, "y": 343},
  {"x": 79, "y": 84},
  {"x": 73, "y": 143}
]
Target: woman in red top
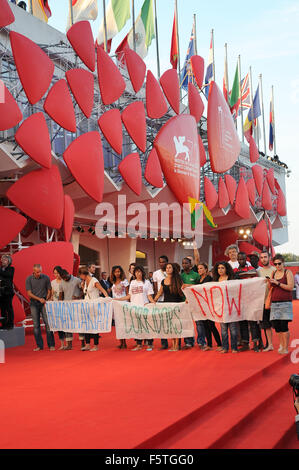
[{"x": 282, "y": 283}]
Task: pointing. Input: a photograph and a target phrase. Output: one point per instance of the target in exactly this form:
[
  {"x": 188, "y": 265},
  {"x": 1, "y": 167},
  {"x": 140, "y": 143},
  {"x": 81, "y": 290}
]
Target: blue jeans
[
  {"x": 233, "y": 328},
  {"x": 37, "y": 310},
  {"x": 201, "y": 335}
]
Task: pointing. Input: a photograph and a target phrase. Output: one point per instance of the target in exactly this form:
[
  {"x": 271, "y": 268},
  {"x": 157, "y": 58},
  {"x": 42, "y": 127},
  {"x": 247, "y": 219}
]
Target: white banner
[
  {"x": 227, "y": 301},
  {"x": 160, "y": 320},
  {"x": 80, "y": 316}
]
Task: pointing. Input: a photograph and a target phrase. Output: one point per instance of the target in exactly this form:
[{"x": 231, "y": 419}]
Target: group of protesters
[{"x": 166, "y": 284}]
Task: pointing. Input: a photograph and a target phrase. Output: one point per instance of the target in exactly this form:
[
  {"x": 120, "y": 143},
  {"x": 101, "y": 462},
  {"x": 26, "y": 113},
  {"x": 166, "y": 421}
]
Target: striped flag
[
  {"x": 247, "y": 128},
  {"x": 117, "y": 14},
  {"x": 210, "y": 68},
  {"x": 83, "y": 10},
  {"x": 174, "y": 52},
  {"x": 271, "y": 133},
  {"x": 41, "y": 10},
  {"x": 186, "y": 74},
  {"x": 225, "y": 82}
]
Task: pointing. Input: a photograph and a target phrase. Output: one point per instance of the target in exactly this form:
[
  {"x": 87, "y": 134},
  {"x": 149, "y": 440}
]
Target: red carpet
[{"x": 159, "y": 399}]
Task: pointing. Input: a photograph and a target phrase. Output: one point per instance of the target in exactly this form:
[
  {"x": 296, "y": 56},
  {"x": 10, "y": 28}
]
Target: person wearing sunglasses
[{"x": 282, "y": 283}]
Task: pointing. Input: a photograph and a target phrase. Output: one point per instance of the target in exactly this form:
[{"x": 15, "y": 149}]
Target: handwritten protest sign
[
  {"x": 80, "y": 316},
  {"x": 227, "y": 301},
  {"x": 161, "y": 320}
]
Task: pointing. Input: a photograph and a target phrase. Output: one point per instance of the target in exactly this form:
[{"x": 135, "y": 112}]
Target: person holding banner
[
  {"x": 91, "y": 291},
  {"x": 70, "y": 289},
  {"x": 222, "y": 271},
  {"x": 190, "y": 278},
  {"x": 171, "y": 289},
  {"x": 120, "y": 291},
  {"x": 266, "y": 271},
  {"x": 55, "y": 284},
  {"x": 158, "y": 277}
]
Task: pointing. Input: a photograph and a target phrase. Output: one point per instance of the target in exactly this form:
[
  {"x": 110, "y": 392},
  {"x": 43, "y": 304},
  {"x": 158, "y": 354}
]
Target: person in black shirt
[{"x": 6, "y": 292}]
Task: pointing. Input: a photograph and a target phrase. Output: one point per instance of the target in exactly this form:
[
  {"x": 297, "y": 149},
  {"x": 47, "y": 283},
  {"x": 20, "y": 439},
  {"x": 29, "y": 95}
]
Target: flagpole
[
  {"x": 251, "y": 103},
  {"x": 157, "y": 40},
  {"x": 226, "y": 70},
  {"x": 71, "y": 10},
  {"x": 273, "y": 122},
  {"x": 133, "y": 19},
  {"x": 213, "y": 55},
  {"x": 262, "y": 100},
  {"x": 240, "y": 91},
  {"x": 195, "y": 34},
  {"x": 177, "y": 35},
  {"x": 105, "y": 26}
]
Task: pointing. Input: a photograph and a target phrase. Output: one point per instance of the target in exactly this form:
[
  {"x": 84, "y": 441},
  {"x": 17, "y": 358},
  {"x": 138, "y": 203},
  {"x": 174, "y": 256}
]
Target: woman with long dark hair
[
  {"x": 222, "y": 271},
  {"x": 120, "y": 290},
  {"x": 55, "y": 285},
  {"x": 171, "y": 287},
  {"x": 6, "y": 292}
]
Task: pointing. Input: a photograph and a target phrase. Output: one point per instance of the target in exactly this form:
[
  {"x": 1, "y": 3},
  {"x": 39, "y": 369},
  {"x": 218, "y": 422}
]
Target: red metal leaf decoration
[
  {"x": 81, "y": 83},
  {"x": 202, "y": 151},
  {"x": 223, "y": 140},
  {"x": 81, "y": 39},
  {"x": 10, "y": 113},
  {"x": 156, "y": 105},
  {"x": 68, "y": 218},
  {"x": 130, "y": 170},
  {"x": 260, "y": 233},
  {"x": 253, "y": 150},
  {"x": 19, "y": 313},
  {"x": 11, "y": 224},
  {"x": 251, "y": 190},
  {"x": 136, "y": 68},
  {"x": 258, "y": 176},
  {"x": 248, "y": 248},
  {"x": 211, "y": 196},
  {"x": 231, "y": 186},
  {"x": 153, "y": 171},
  {"x": 196, "y": 106},
  {"x": 266, "y": 197},
  {"x": 110, "y": 125},
  {"x": 84, "y": 158},
  {"x": 198, "y": 67},
  {"x": 223, "y": 197},
  {"x": 171, "y": 87},
  {"x": 59, "y": 106},
  {"x": 34, "y": 67},
  {"x": 39, "y": 194},
  {"x": 242, "y": 207},
  {"x": 48, "y": 255},
  {"x": 111, "y": 82},
  {"x": 39, "y": 149},
  {"x": 281, "y": 203},
  {"x": 133, "y": 118},
  {"x": 6, "y": 15},
  {"x": 271, "y": 180}
]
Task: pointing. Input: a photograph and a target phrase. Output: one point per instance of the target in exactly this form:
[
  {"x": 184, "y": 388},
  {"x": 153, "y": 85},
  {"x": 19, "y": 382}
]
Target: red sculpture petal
[
  {"x": 34, "y": 67},
  {"x": 223, "y": 140},
  {"x": 266, "y": 197},
  {"x": 84, "y": 158},
  {"x": 81, "y": 83},
  {"x": 271, "y": 180},
  {"x": 81, "y": 39},
  {"x": 258, "y": 176},
  {"x": 223, "y": 197},
  {"x": 253, "y": 150},
  {"x": 153, "y": 171},
  {"x": 59, "y": 106},
  {"x": 19, "y": 313},
  {"x": 39, "y": 149},
  {"x": 133, "y": 118},
  {"x": 11, "y": 224},
  {"x": 111, "y": 82},
  {"x": 68, "y": 219},
  {"x": 48, "y": 255},
  {"x": 242, "y": 207},
  {"x": 211, "y": 196},
  {"x": 171, "y": 87},
  {"x": 39, "y": 194},
  {"x": 202, "y": 151},
  {"x": 260, "y": 233},
  {"x": 130, "y": 170},
  {"x": 277, "y": 185},
  {"x": 196, "y": 106},
  {"x": 281, "y": 203},
  {"x": 136, "y": 68},
  {"x": 156, "y": 105},
  {"x": 251, "y": 191},
  {"x": 10, "y": 113},
  {"x": 231, "y": 186},
  {"x": 110, "y": 125},
  {"x": 6, "y": 15},
  {"x": 198, "y": 67}
]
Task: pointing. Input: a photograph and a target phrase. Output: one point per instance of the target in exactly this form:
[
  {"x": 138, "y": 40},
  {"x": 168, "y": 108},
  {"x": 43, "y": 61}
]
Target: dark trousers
[
  {"x": 7, "y": 311},
  {"x": 164, "y": 343},
  {"x": 254, "y": 328},
  {"x": 94, "y": 336},
  {"x": 149, "y": 341},
  {"x": 38, "y": 310},
  {"x": 61, "y": 335},
  {"x": 210, "y": 328}
]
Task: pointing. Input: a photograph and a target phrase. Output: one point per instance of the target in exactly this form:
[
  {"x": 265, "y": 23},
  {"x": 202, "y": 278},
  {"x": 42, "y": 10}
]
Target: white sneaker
[
  {"x": 280, "y": 349},
  {"x": 269, "y": 348}
]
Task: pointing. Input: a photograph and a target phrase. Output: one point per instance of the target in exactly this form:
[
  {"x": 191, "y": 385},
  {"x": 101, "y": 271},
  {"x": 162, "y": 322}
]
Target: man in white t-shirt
[
  {"x": 232, "y": 253},
  {"x": 158, "y": 277}
]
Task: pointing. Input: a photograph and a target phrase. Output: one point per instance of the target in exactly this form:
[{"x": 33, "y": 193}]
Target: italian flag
[
  {"x": 144, "y": 32},
  {"x": 235, "y": 94},
  {"x": 117, "y": 14}
]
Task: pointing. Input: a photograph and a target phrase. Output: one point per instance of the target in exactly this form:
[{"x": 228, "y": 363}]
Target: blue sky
[{"x": 265, "y": 34}]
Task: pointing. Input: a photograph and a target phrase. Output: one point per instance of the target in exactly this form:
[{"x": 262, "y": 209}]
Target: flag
[
  {"x": 144, "y": 32},
  {"x": 210, "y": 69},
  {"x": 225, "y": 82},
  {"x": 117, "y": 14},
  {"x": 196, "y": 208},
  {"x": 83, "y": 10},
  {"x": 174, "y": 53},
  {"x": 41, "y": 10},
  {"x": 256, "y": 106},
  {"x": 186, "y": 74},
  {"x": 235, "y": 94},
  {"x": 271, "y": 133}
]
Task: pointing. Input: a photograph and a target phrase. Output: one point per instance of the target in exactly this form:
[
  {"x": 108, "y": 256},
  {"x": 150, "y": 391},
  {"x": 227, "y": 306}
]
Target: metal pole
[
  {"x": 251, "y": 102},
  {"x": 226, "y": 70},
  {"x": 157, "y": 41},
  {"x": 178, "y": 42},
  {"x": 31, "y": 7},
  {"x": 195, "y": 34},
  {"x": 240, "y": 91},
  {"x": 105, "y": 26},
  {"x": 71, "y": 11},
  {"x": 133, "y": 19},
  {"x": 213, "y": 55},
  {"x": 273, "y": 122},
  {"x": 263, "y": 115}
]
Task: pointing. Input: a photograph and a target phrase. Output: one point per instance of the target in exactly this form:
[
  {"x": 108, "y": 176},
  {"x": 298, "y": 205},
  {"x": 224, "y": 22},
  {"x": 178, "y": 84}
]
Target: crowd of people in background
[{"x": 166, "y": 284}]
